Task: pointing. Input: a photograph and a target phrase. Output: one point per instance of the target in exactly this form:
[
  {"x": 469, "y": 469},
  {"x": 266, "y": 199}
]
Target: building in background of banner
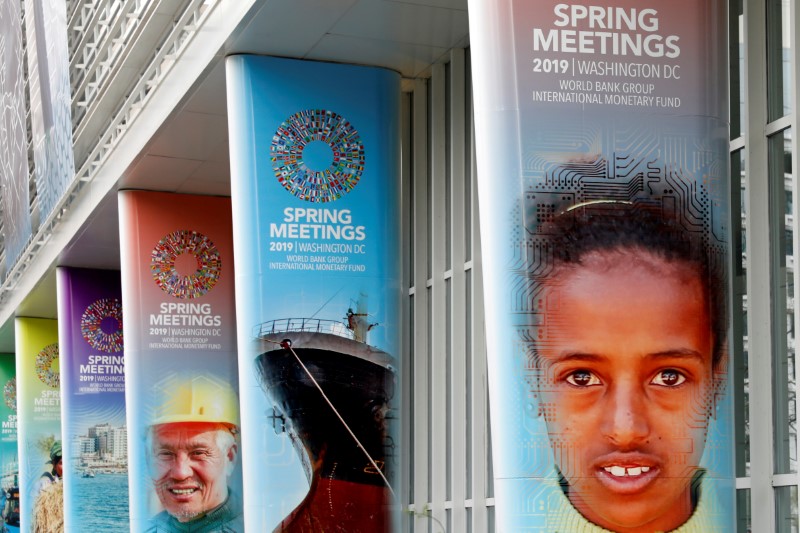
[
  {"x": 39, "y": 422},
  {"x": 315, "y": 189},
  {"x": 602, "y": 145},
  {"x": 93, "y": 400},
  {"x": 181, "y": 366}
]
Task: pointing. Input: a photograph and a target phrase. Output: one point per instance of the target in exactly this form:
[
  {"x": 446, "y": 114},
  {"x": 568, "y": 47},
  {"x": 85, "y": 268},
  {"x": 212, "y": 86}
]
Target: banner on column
[
  {"x": 9, "y": 462},
  {"x": 602, "y": 145},
  {"x": 315, "y": 189},
  {"x": 39, "y": 423},
  {"x": 181, "y": 367},
  {"x": 93, "y": 400}
]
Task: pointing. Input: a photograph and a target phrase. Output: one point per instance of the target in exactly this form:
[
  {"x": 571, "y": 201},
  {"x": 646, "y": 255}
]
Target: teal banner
[{"x": 9, "y": 457}]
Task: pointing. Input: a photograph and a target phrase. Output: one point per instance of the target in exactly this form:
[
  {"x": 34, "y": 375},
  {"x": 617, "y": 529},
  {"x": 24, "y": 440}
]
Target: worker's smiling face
[
  {"x": 190, "y": 467},
  {"x": 627, "y": 387}
]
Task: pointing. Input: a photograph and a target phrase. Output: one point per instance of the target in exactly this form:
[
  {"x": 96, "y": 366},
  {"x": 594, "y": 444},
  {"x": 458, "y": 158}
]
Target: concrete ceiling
[{"x": 189, "y": 152}]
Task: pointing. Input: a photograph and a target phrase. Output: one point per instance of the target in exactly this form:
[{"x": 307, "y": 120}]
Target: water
[{"x": 102, "y": 503}]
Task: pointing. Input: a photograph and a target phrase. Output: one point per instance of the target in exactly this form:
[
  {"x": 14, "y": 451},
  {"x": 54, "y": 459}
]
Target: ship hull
[{"x": 340, "y": 446}]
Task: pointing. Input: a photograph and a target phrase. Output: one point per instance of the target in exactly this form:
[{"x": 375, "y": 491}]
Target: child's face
[{"x": 627, "y": 387}]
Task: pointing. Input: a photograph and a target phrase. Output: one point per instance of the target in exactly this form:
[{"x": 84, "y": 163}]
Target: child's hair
[{"x": 606, "y": 226}]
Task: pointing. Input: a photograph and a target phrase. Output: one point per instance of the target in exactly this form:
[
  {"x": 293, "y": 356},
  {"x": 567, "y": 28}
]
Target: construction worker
[{"x": 193, "y": 451}]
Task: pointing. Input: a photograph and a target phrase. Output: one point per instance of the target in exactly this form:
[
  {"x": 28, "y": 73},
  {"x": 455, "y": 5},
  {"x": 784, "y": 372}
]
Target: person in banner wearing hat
[
  {"x": 48, "y": 506},
  {"x": 57, "y": 469},
  {"x": 193, "y": 448}
]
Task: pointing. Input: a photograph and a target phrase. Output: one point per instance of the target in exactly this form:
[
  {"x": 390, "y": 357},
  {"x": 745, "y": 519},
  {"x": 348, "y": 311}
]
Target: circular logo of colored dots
[
  {"x": 10, "y": 394},
  {"x": 182, "y": 244},
  {"x": 45, "y": 361},
  {"x": 317, "y": 155},
  {"x": 101, "y": 325}
]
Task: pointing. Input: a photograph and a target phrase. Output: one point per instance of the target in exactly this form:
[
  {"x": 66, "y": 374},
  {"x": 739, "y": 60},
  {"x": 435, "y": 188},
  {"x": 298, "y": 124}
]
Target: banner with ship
[
  {"x": 603, "y": 163},
  {"x": 39, "y": 417},
  {"x": 181, "y": 366},
  {"x": 93, "y": 399},
  {"x": 315, "y": 190}
]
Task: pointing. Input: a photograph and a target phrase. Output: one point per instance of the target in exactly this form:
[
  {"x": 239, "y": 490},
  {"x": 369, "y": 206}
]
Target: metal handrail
[{"x": 305, "y": 325}]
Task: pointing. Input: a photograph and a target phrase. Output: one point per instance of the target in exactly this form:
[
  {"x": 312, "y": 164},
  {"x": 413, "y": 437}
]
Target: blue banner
[
  {"x": 602, "y": 149},
  {"x": 315, "y": 191}
]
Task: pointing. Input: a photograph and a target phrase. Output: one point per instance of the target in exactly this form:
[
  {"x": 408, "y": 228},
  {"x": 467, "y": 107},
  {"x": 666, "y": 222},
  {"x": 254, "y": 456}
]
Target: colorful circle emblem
[
  {"x": 336, "y": 175},
  {"x": 10, "y": 394},
  {"x": 101, "y": 325},
  {"x": 177, "y": 243},
  {"x": 45, "y": 360}
]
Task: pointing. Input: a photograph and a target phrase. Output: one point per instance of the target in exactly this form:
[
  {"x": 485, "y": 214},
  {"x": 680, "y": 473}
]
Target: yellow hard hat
[{"x": 196, "y": 399}]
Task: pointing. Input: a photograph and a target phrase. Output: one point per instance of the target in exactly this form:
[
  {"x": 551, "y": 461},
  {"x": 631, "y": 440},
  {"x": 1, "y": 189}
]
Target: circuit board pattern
[{"x": 656, "y": 167}]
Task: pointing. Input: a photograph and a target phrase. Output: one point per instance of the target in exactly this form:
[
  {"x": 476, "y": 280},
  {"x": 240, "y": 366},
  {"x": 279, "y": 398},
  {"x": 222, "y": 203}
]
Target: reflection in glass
[
  {"x": 779, "y": 80},
  {"x": 743, "y": 510},
  {"x": 782, "y": 264},
  {"x": 736, "y": 49},
  {"x": 739, "y": 350},
  {"x": 785, "y": 510}
]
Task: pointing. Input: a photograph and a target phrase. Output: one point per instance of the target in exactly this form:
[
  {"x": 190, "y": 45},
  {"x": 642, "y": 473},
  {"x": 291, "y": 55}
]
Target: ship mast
[{"x": 357, "y": 320}]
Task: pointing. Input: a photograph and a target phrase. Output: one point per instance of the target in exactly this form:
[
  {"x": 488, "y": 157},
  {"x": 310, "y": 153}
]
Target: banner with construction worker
[
  {"x": 602, "y": 148},
  {"x": 315, "y": 189},
  {"x": 9, "y": 457},
  {"x": 39, "y": 424},
  {"x": 181, "y": 366},
  {"x": 93, "y": 399}
]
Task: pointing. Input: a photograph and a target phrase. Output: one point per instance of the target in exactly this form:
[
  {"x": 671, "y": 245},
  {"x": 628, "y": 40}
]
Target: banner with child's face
[{"x": 602, "y": 145}]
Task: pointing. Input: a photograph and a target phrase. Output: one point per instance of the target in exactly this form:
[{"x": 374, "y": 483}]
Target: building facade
[{"x": 147, "y": 110}]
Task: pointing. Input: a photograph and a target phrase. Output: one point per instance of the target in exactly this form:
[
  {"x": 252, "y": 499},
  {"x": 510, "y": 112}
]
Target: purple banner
[{"x": 93, "y": 400}]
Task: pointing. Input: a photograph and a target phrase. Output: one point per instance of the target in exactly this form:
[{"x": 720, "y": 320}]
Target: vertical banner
[
  {"x": 50, "y": 97},
  {"x": 181, "y": 366},
  {"x": 39, "y": 424},
  {"x": 315, "y": 189},
  {"x": 93, "y": 400},
  {"x": 602, "y": 145},
  {"x": 9, "y": 459},
  {"x": 14, "y": 213}
]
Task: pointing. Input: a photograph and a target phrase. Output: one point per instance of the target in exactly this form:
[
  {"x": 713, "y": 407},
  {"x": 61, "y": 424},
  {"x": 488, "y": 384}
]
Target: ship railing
[{"x": 305, "y": 325}]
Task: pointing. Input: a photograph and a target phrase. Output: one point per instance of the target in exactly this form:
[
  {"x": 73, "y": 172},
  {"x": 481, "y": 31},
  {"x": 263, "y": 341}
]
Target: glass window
[
  {"x": 785, "y": 509},
  {"x": 784, "y": 410},
  {"x": 743, "y": 510},
  {"x": 739, "y": 320},
  {"x": 779, "y": 80},
  {"x": 736, "y": 41}
]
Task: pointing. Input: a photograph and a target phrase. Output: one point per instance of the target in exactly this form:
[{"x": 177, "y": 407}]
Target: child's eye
[
  {"x": 582, "y": 378},
  {"x": 668, "y": 378}
]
